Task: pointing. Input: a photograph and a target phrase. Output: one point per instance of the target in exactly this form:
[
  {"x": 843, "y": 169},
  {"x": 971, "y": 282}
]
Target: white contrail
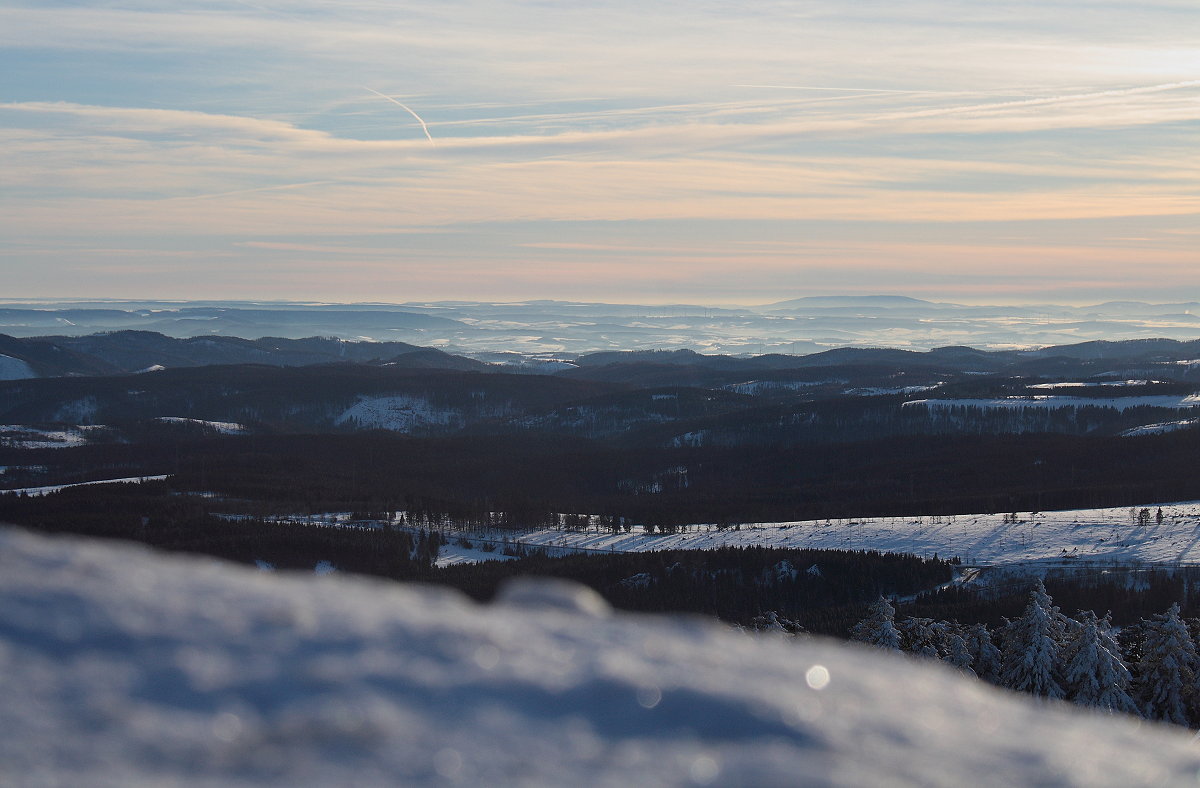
[
  {"x": 848, "y": 90},
  {"x": 1061, "y": 99},
  {"x": 406, "y": 108}
]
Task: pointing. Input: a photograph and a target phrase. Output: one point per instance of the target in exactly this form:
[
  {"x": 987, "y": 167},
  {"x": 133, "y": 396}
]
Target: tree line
[
  {"x": 534, "y": 475},
  {"x": 1149, "y": 668}
]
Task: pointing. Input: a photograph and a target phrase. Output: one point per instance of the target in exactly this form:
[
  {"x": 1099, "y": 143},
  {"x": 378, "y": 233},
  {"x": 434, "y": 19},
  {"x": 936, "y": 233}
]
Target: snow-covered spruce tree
[
  {"x": 1031, "y": 648},
  {"x": 879, "y": 627},
  {"x": 1093, "y": 672},
  {"x": 1166, "y": 674},
  {"x": 954, "y": 647},
  {"x": 986, "y": 659},
  {"x": 773, "y": 622},
  {"x": 920, "y": 636},
  {"x": 1064, "y": 626}
]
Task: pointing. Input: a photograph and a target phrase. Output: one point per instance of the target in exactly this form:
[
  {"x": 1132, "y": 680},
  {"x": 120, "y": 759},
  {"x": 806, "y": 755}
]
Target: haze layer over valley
[{"x": 558, "y": 329}]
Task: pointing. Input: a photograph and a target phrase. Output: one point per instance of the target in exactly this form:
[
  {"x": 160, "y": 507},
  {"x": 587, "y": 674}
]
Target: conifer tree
[
  {"x": 1062, "y": 625},
  {"x": 1093, "y": 673},
  {"x": 954, "y": 647},
  {"x": 1031, "y": 648},
  {"x": 771, "y": 621},
  {"x": 920, "y": 636},
  {"x": 986, "y": 660},
  {"x": 879, "y": 627},
  {"x": 1166, "y": 673}
]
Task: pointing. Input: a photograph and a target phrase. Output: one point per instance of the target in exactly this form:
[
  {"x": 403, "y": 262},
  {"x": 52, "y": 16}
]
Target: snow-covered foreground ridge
[
  {"x": 984, "y": 539},
  {"x": 122, "y": 667}
]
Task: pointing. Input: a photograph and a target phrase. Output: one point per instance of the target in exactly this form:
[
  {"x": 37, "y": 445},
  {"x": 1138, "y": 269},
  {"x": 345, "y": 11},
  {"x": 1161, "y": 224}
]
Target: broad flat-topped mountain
[{"x": 835, "y": 302}]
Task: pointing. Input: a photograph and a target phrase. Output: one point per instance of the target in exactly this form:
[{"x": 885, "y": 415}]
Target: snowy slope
[
  {"x": 1080, "y": 534},
  {"x": 23, "y": 436},
  {"x": 454, "y": 553},
  {"x": 1160, "y": 428},
  {"x": 220, "y": 427},
  {"x": 15, "y": 369},
  {"x": 53, "y": 488},
  {"x": 400, "y": 413},
  {"x": 119, "y": 667}
]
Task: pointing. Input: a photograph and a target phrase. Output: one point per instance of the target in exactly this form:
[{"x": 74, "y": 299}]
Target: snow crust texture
[{"x": 122, "y": 667}]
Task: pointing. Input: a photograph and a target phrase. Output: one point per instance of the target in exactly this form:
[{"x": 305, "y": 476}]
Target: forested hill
[
  {"x": 138, "y": 351},
  {"x": 128, "y": 350}
]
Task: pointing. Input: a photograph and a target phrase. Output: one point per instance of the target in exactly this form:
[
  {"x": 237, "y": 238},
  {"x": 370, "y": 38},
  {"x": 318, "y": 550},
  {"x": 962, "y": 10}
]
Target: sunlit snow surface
[
  {"x": 1073, "y": 535},
  {"x": 220, "y": 427},
  {"x": 454, "y": 553},
  {"x": 1158, "y": 429},
  {"x": 53, "y": 488},
  {"x": 119, "y": 667}
]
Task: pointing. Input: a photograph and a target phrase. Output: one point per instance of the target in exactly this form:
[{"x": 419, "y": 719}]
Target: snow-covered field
[
  {"x": 22, "y": 436},
  {"x": 1093, "y": 384},
  {"x": 56, "y": 487},
  {"x": 15, "y": 369},
  {"x": 979, "y": 539},
  {"x": 1160, "y": 428},
  {"x": 220, "y": 427},
  {"x": 398, "y": 413},
  {"x": 1054, "y": 401},
  {"x": 455, "y": 553},
  {"x": 755, "y": 387},
  {"x": 122, "y": 667},
  {"x": 879, "y": 391}
]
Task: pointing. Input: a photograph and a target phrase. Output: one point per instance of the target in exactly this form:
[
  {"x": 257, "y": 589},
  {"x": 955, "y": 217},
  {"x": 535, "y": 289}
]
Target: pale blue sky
[{"x": 663, "y": 151}]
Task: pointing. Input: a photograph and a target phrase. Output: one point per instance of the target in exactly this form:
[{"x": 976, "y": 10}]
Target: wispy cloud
[
  {"x": 891, "y": 131},
  {"x": 239, "y": 192}
]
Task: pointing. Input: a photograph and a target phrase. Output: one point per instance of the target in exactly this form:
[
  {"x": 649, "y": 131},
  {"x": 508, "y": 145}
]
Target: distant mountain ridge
[
  {"x": 128, "y": 351},
  {"x": 844, "y": 301},
  {"x": 550, "y": 331},
  {"x": 136, "y": 351},
  {"x": 1085, "y": 359}
]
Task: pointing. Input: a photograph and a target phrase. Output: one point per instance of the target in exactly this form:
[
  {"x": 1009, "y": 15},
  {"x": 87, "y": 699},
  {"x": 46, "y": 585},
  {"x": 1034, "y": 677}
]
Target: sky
[{"x": 603, "y": 150}]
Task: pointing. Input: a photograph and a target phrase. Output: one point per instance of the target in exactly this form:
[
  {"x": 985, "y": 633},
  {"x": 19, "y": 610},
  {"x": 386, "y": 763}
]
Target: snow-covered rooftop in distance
[{"x": 122, "y": 667}]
